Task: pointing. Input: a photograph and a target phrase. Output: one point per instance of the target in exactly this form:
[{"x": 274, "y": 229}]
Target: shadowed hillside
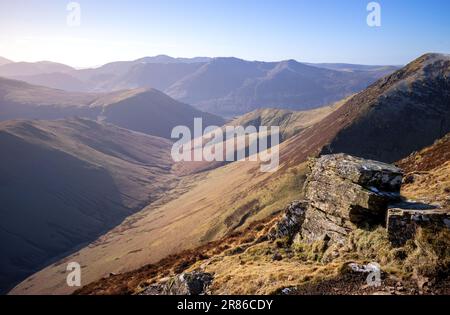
[
  {"x": 63, "y": 183},
  {"x": 399, "y": 114},
  {"x": 428, "y": 173},
  {"x": 231, "y": 197},
  {"x": 154, "y": 113},
  {"x": 144, "y": 110},
  {"x": 230, "y": 86}
]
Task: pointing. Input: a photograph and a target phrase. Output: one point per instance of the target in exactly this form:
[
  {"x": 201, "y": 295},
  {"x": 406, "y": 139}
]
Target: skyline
[{"x": 323, "y": 31}]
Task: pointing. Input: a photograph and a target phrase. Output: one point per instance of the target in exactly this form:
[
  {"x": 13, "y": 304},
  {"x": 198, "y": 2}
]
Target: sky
[{"x": 268, "y": 30}]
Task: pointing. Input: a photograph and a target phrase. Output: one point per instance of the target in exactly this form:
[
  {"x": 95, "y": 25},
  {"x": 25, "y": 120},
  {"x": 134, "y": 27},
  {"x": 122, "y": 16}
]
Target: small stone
[
  {"x": 277, "y": 257},
  {"x": 193, "y": 283}
]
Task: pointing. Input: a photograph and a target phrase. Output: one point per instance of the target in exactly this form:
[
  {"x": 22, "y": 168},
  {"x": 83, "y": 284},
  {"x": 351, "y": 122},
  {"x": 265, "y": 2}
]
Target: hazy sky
[{"x": 306, "y": 30}]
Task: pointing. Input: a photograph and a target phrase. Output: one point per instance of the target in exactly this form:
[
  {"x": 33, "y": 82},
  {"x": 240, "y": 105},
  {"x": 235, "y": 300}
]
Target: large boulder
[{"x": 344, "y": 193}]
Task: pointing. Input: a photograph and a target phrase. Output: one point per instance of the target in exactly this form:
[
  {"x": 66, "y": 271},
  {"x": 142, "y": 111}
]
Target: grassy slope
[
  {"x": 225, "y": 197},
  {"x": 429, "y": 173},
  {"x": 209, "y": 206},
  {"x": 242, "y": 264},
  {"x": 290, "y": 122}
]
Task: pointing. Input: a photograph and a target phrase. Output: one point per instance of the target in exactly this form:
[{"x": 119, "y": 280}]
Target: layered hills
[
  {"x": 379, "y": 123},
  {"x": 231, "y": 86},
  {"x": 10, "y": 69},
  {"x": 144, "y": 110},
  {"x": 397, "y": 115},
  {"x": 224, "y": 86}
]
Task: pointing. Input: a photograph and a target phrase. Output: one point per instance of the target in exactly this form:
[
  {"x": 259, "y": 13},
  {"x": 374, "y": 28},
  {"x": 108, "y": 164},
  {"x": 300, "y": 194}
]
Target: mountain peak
[
  {"x": 156, "y": 59},
  {"x": 164, "y": 59},
  {"x": 436, "y": 56}
]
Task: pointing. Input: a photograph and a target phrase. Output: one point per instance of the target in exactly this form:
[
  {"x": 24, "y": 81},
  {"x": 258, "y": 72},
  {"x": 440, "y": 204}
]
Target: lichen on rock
[{"x": 344, "y": 193}]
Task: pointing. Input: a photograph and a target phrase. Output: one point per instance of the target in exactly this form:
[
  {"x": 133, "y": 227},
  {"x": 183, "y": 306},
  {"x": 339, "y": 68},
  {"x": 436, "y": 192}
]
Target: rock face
[
  {"x": 291, "y": 221},
  {"x": 402, "y": 223},
  {"x": 345, "y": 193},
  {"x": 194, "y": 283}
]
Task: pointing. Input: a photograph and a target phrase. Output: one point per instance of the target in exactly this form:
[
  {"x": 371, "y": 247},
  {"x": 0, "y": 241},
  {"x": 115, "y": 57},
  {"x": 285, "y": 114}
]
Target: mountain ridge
[
  {"x": 229, "y": 198},
  {"x": 146, "y": 110},
  {"x": 226, "y": 86}
]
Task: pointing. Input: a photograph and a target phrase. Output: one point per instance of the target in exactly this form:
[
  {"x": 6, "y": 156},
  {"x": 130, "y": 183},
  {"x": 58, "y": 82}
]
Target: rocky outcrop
[
  {"x": 403, "y": 221},
  {"x": 345, "y": 193},
  {"x": 291, "y": 221},
  {"x": 194, "y": 283}
]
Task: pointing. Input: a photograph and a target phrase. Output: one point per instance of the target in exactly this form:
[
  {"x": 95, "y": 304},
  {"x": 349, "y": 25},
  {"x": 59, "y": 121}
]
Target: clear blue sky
[{"x": 306, "y": 30}]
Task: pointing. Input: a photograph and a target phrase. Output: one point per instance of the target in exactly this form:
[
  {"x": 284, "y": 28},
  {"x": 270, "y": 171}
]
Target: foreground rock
[
  {"x": 291, "y": 221},
  {"x": 346, "y": 193},
  {"x": 403, "y": 221},
  {"x": 194, "y": 283}
]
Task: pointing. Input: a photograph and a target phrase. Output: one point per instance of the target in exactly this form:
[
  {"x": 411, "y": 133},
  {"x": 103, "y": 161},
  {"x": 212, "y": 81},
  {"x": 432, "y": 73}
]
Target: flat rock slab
[
  {"x": 402, "y": 223},
  {"x": 367, "y": 173}
]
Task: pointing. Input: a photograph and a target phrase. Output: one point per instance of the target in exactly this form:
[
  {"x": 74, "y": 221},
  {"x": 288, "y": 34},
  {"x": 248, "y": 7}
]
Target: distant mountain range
[
  {"x": 145, "y": 110},
  {"x": 224, "y": 86}
]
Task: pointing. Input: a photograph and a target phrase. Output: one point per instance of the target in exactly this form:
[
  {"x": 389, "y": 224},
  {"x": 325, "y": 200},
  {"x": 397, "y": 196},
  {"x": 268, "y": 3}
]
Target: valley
[
  {"x": 211, "y": 204},
  {"x": 66, "y": 182}
]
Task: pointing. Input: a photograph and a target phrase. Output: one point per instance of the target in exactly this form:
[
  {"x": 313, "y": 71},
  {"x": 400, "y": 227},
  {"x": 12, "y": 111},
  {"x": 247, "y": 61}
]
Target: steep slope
[
  {"x": 153, "y": 112},
  {"x": 290, "y": 122},
  {"x": 152, "y": 75},
  {"x": 428, "y": 177},
  {"x": 399, "y": 114},
  {"x": 144, "y": 110},
  {"x": 274, "y": 256},
  {"x": 20, "y": 100},
  {"x": 231, "y": 197},
  {"x": 230, "y": 86},
  {"x": 63, "y": 183},
  {"x": 429, "y": 158}
]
